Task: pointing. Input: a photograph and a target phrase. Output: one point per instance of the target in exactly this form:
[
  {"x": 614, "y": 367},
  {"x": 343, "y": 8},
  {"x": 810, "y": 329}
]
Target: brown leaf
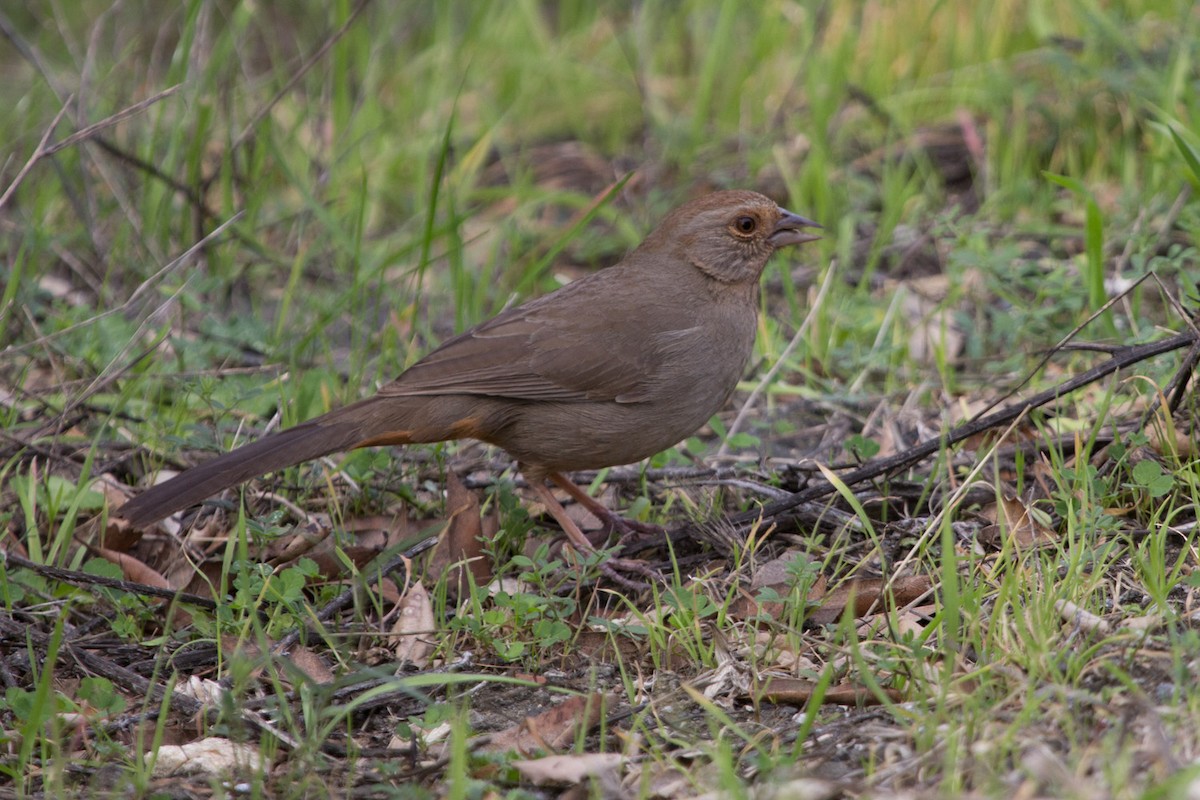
[
  {"x": 415, "y": 627},
  {"x": 935, "y": 332},
  {"x": 459, "y": 551},
  {"x": 552, "y": 729},
  {"x": 213, "y": 756},
  {"x": 133, "y": 569},
  {"x": 119, "y": 535},
  {"x": 250, "y": 653},
  {"x": 773, "y": 575},
  {"x": 389, "y": 591},
  {"x": 369, "y": 536},
  {"x": 606, "y": 647},
  {"x": 1013, "y": 518},
  {"x": 867, "y": 593},
  {"x": 1172, "y": 441},
  {"x": 395, "y": 527},
  {"x": 310, "y": 664},
  {"x": 568, "y": 770},
  {"x": 301, "y": 541},
  {"x": 331, "y": 566},
  {"x": 797, "y": 691},
  {"x": 1082, "y": 617},
  {"x": 115, "y": 493}
]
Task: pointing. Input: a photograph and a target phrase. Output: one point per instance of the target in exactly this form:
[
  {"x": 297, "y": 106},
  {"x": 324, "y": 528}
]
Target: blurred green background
[{"x": 402, "y": 170}]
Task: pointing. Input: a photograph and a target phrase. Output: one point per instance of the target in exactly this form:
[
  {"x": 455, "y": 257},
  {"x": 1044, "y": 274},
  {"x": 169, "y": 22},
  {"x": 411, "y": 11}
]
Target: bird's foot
[
  {"x": 628, "y": 530},
  {"x": 609, "y": 566}
]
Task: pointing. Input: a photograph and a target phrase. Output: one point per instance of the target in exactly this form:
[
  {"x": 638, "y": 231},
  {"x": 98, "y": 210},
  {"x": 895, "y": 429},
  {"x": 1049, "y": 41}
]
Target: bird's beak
[{"x": 790, "y": 230}]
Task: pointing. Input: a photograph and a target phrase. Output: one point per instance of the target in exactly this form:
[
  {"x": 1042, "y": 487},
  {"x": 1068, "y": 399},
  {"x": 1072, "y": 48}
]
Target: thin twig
[
  {"x": 76, "y": 578},
  {"x": 779, "y": 509},
  {"x": 1062, "y": 345},
  {"x": 108, "y": 122}
]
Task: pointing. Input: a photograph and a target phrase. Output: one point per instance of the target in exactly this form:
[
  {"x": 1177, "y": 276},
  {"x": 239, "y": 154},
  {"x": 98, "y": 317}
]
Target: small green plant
[{"x": 521, "y": 626}]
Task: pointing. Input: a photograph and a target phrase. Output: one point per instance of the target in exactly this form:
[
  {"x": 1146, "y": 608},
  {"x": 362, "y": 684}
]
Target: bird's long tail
[{"x": 341, "y": 429}]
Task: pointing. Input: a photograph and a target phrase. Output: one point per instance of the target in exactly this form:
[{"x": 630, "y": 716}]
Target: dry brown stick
[
  {"x": 779, "y": 509},
  {"x": 30, "y": 53},
  {"x": 193, "y": 196},
  {"x": 76, "y": 578},
  {"x": 1173, "y": 394},
  {"x": 99, "y": 665},
  {"x": 1179, "y": 383},
  {"x": 111, "y": 372},
  {"x": 131, "y": 681},
  {"x": 142, "y": 165},
  {"x": 43, "y": 150}
]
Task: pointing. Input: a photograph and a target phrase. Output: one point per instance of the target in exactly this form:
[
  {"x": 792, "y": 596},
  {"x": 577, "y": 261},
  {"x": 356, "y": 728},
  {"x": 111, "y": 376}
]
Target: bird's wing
[{"x": 559, "y": 348}]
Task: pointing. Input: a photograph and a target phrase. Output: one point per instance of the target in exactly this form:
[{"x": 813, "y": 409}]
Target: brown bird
[{"x": 607, "y": 370}]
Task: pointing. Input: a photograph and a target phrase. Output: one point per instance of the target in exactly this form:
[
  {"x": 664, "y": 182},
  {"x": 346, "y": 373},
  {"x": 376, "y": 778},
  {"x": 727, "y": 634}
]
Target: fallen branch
[
  {"x": 76, "y": 578},
  {"x": 779, "y": 511}
]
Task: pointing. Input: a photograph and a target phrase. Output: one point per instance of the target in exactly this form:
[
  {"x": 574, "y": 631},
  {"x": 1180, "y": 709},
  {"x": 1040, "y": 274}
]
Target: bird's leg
[
  {"x": 610, "y": 566},
  {"x": 612, "y": 520},
  {"x": 570, "y": 528}
]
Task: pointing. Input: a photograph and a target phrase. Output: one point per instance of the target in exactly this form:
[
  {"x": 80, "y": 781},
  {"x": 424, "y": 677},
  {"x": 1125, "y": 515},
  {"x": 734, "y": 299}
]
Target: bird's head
[{"x": 730, "y": 235}]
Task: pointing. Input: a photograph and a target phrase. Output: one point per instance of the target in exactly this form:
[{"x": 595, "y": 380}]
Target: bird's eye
[{"x": 745, "y": 224}]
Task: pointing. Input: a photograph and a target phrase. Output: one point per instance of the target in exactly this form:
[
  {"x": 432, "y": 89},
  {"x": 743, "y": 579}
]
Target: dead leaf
[
  {"x": 368, "y": 537},
  {"x": 210, "y": 693},
  {"x": 935, "y": 331},
  {"x": 774, "y": 575},
  {"x": 60, "y": 288},
  {"x": 389, "y": 592},
  {"x": 797, "y": 691},
  {"x": 1142, "y": 624},
  {"x": 302, "y": 540},
  {"x": 1172, "y": 441},
  {"x": 133, "y": 569},
  {"x": 310, "y": 664},
  {"x": 1082, "y": 617},
  {"x": 604, "y": 646},
  {"x": 212, "y": 756},
  {"x": 119, "y": 535},
  {"x": 115, "y": 493},
  {"x": 396, "y": 528},
  {"x": 568, "y": 770},
  {"x": 868, "y": 593},
  {"x": 552, "y": 729},
  {"x": 415, "y": 627},
  {"x": 459, "y": 551},
  {"x": 1013, "y": 518},
  {"x": 773, "y": 651},
  {"x": 330, "y": 564},
  {"x": 664, "y": 782}
]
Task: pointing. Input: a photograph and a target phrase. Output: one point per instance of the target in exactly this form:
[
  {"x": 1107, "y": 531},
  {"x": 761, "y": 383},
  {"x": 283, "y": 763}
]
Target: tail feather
[{"x": 304, "y": 442}]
